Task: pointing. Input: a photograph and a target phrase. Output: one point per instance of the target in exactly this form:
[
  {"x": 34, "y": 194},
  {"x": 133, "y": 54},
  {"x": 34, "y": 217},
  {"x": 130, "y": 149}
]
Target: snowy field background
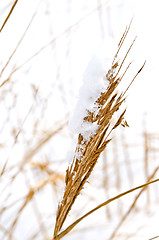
[{"x": 45, "y": 48}]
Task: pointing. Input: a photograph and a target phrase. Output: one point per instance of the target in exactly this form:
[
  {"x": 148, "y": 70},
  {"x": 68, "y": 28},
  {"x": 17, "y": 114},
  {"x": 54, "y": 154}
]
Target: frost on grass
[{"x": 94, "y": 83}]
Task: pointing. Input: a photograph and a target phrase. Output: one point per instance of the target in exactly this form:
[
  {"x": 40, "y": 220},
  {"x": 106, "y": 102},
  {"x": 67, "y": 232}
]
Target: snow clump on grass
[{"x": 94, "y": 83}]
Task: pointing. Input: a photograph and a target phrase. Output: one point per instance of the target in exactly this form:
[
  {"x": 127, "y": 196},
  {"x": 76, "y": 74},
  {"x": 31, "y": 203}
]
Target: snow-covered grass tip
[{"x": 94, "y": 130}]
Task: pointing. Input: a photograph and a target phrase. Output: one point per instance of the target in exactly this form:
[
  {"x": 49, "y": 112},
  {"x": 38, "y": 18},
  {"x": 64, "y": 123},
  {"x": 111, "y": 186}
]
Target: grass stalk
[{"x": 133, "y": 204}]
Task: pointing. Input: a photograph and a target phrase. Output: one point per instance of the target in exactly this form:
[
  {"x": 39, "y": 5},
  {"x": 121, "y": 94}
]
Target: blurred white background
[{"x": 45, "y": 47}]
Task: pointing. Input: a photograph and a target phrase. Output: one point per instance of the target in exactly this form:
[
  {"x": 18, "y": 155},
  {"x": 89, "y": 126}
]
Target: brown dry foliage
[{"x": 88, "y": 151}]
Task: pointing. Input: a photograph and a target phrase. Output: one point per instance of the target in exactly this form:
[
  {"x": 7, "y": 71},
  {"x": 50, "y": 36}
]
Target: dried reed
[
  {"x": 133, "y": 204},
  {"x": 88, "y": 151}
]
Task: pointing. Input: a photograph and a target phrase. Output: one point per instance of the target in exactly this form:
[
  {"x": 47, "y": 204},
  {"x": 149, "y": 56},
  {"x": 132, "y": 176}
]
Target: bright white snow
[{"x": 94, "y": 82}]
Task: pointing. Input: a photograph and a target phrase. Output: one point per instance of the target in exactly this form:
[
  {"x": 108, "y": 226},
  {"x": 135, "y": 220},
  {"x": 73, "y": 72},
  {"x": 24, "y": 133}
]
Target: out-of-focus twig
[
  {"x": 59, "y": 36},
  {"x": 18, "y": 44},
  {"x": 9, "y": 14}
]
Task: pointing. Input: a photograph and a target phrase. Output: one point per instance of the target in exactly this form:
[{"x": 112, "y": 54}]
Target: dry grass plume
[{"x": 89, "y": 151}]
